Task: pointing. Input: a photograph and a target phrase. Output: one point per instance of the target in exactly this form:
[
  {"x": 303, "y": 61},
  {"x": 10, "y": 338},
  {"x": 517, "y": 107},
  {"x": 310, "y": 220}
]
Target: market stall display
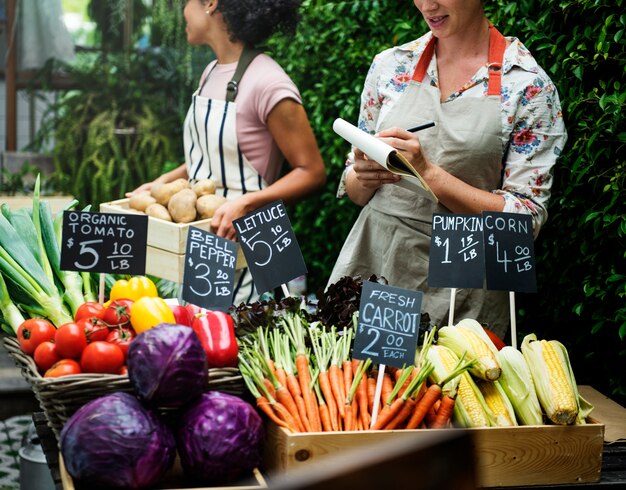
[{"x": 295, "y": 359}]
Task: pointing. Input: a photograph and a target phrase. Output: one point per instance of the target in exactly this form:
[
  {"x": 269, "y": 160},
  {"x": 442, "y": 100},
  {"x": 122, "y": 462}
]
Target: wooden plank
[
  {"x": 504, "y": 456},
  {"x": 612, "y": 414},
  {"x": 57, "y": 203}
]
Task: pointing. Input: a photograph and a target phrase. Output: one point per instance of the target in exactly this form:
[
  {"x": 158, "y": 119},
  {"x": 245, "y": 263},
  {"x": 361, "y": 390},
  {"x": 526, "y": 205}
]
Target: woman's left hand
[
  {"x": 406, "y": 143},
  {"x": 222, "y": 221}
]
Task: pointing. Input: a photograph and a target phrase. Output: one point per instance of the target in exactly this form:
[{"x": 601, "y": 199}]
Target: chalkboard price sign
[
  {"x": 209, "y": 274},
  {"x": 509, "y": 252},
  {"x": 270, "y": 246},
  {"x": 388, "y": 327},
  {"x": 104, "y": 242},
  {"x": 456, "y": 251}
]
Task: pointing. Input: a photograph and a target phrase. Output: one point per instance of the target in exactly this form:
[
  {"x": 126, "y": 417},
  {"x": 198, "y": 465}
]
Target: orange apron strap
[
  {"x": 422, "y": 65},
  {"x": 497, "y": 46}
]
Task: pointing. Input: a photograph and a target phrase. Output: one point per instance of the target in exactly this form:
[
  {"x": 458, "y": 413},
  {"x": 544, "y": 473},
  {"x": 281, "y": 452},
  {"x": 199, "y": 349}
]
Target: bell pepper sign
[{"x": 216, "y": 331}]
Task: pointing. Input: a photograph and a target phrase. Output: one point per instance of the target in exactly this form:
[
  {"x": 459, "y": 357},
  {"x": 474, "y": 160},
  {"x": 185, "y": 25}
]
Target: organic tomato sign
[
  {"x": 270, "y": 246},
  {"x": 388, "y": 327},
  {"x": 509, "y": 252},
  {"x": 209, "y": 273},
  {"x": 104, "y": 242},
  {"x": 456, "y": 251}
]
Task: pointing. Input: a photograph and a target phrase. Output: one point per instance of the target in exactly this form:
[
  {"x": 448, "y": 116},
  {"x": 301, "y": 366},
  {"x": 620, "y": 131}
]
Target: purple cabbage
[
  {"x": 167, "y": 366},
  {"x": 219, "y": 438},
  {"x": 114, "y": 442}
]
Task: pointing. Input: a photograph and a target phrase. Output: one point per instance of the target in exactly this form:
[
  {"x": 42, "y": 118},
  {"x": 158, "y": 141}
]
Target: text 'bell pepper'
[{"x": 216, "y": 331}]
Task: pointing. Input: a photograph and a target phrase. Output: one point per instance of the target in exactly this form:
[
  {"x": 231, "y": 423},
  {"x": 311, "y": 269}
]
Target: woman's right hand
[
  {"x": 143, "y": 187},
  {"x": 370, "y": 174}
]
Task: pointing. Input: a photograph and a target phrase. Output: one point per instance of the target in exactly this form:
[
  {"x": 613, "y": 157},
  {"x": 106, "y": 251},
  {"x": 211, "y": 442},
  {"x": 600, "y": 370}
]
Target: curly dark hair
[{"x": 253, "y": 21}]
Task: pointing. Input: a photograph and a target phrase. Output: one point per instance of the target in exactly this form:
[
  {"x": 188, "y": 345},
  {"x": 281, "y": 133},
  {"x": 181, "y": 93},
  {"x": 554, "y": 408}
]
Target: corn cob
[
  {"x": 474, "y": 326},
  {"x": 518, "y": 385},
  {"x": 497, "y": 401},
  {"x": 554, "y": 381},
  {"x": 465, "y": 341},
  {"x": 470, "y": 409}
]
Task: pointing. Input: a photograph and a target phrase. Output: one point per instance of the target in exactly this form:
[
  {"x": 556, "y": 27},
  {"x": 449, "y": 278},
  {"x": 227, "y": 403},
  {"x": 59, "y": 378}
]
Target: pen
[{"x": 427, "y": 125}]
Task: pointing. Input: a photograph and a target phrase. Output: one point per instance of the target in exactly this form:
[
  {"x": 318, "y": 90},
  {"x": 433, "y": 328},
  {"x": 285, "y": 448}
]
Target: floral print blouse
[{"x": 533, "y": 132}]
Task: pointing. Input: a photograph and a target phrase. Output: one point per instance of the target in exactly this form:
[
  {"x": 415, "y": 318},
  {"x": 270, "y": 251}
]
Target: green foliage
[{"x": 118, "y": 130}]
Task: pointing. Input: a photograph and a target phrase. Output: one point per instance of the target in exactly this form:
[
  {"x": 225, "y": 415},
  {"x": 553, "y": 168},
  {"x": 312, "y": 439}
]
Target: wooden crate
[
  {"x": 165, "y": 254},
  {"x": 174, "y": 478},
  {"x": 515, "y": 456}
]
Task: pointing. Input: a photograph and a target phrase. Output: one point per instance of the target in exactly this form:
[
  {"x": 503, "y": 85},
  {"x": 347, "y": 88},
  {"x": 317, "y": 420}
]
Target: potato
[
  {"x": 203, "y": 187},
  {"x": 207, "y": 205},
  {"x": 141, "y": 201},
  {"x": 163, "y": 192},
  {"x": 182, "y": 206},
  {"x": 158, "y": 211}
]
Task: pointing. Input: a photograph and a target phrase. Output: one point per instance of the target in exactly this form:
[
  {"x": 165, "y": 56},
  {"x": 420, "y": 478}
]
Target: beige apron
[{"x": 391, "y": 237}]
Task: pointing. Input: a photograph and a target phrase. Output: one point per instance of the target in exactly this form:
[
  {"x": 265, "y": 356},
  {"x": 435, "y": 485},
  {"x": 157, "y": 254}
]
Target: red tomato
[
  {"x": 118, "y": 312},
  {"x": 46, "y": 355},
  {"x": 89, "y": 309},
  {"x": 102, "y": 357},
  {"x": 94, "y": 328},
  {"x": 182, "y": 315},
  {"x": 122, "y": 337},
  {"x": 71, "y": 340},
  {"x": 63, "y": 368},
  {"x": 33, "y": 332}
]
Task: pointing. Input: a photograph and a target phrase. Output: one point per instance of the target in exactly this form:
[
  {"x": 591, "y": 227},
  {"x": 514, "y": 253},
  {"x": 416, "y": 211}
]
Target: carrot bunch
[{"x": 304, "y": 379}]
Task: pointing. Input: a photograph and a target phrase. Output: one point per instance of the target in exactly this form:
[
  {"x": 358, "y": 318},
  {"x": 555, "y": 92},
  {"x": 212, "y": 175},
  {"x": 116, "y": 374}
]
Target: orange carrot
[
  {"x": 371, "y": 393},
  {"x": 284, "y": 397},
  {"x": 387, "y": 388},
  {"x": 302, "y": 367},
  {"x": 294, "y": 388},
  {"x": 433, "y": 393},
  {"x": 362, "y": 400},
  {"x": 347, "y": 375},
  {"x": 270, "y": 387},
  {"x": 281, "y": 376},
  {"x": 402, "y": 415},
  {"x": 327, "y": 391},
  {"x": 444, "y": 414},
  {"x": 266, "y": 408},
  {"x": 325, "y": 418},
  {"x": 432, "y": 413},
  {"x": 388, "y": 412},
  {"x": 335, "y": 384},
  {"x": 286, "y": 416}
]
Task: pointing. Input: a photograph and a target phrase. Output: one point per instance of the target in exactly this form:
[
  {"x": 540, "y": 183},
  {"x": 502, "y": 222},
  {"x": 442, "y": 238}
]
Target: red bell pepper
[
  {"x": 182, "y": 315},
  {"x": 216, "y": 331}
]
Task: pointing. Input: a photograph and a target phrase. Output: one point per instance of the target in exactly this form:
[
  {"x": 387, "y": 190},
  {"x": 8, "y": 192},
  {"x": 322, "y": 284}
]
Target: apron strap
[
  {"x": 497, "y": 46},
  {"x": 247, "y": 55}
]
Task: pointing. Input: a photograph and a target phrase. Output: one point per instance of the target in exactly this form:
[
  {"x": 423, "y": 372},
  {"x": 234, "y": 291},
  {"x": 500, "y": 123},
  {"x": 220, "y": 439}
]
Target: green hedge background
[{"x": 581, "y": 251}]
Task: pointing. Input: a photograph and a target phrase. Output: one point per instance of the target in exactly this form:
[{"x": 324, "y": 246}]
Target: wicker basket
[{"x": 61, "y": 397}]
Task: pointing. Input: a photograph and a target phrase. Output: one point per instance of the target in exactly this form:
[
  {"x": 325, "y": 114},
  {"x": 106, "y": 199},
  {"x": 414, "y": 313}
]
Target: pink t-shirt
[{"x": 263, "y": 85}]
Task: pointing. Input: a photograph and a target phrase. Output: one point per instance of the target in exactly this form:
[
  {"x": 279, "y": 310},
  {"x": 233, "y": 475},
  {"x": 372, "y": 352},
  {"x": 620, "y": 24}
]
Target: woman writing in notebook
[
  {"x": 246, "y": 117},
  {"x": 497, "y": 135}
]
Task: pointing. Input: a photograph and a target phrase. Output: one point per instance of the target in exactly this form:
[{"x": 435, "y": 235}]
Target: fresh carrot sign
[{"x": 388, "y": 326}]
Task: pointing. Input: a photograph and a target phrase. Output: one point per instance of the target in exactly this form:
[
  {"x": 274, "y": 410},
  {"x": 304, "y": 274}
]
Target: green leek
[{"x": 11, "y": 315}]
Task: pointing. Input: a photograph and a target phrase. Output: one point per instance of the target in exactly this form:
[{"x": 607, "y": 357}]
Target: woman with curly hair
[{"x": 246, "y": 117}]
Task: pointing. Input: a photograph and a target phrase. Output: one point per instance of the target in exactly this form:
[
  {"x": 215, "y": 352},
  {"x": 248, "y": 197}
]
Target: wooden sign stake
[
  {"x": 379, "y": 389},
  {"x": 101, "y": 289},
  {"x": 285, "y": 290},
  {"x": 513, "y": 325},
  {"x": 452, "y": 304}
]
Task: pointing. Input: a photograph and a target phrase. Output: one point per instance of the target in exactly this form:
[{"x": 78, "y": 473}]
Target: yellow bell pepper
[
  {"x": 136, "y": 287},
  {"x": 148, "y": 311}
]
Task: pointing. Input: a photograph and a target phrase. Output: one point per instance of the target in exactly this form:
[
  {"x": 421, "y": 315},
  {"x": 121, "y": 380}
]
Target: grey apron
[{"x": 391, "y": 237}]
